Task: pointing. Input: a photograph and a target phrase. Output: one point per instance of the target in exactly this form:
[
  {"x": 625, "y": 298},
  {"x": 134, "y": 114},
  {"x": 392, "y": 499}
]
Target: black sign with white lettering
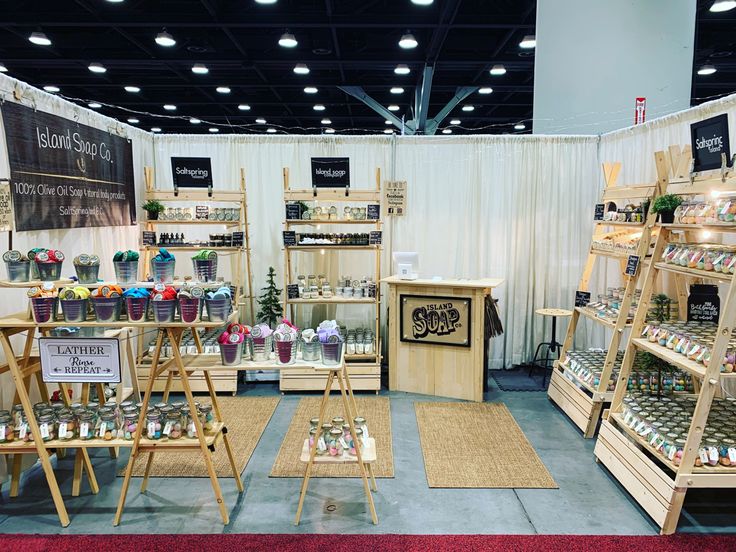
[
  {"x": 582, "y": 298},
  {"x": 632, "y": 265},
  {"x": 375, "y": 238},
  {"x": 703, "y": 303},
  {"x": 374, "y": 212},
  {"x": 292, "y": 291},
  {"x": 372, "y": 289},
  {"x": 149, "y": 238},
  {"x": 293, "y": 211},
  {"x": 191, "y": 172},
  {"x": 600, "y": 210},
  {"x": 238, "y": 239},
  {"x": 709, "y": 140},
  {"x": 202, "y": 212},
  {"x": 289, "y": 238},
  {"x": 330, "y": 172}
]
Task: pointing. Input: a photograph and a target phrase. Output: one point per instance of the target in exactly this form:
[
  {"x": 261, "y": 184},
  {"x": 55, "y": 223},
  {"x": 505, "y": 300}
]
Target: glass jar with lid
[
  {"x": 206, "y": 416},
  {"x": 172, "y": 426},
  {"x": 47, "y": 426},
  {"x": 7, "y": 427},
  {"x": 108, "y": 425},
  {"x": 67, "y": 425},
  {"x": 188, "y": 422},
  {"x": 323, "y": 440},
  {"x": 130, "y": 425},
  {"x": 727, "y": 452},
  {"x": 153, "y": 425},
  {"x": 333, "y": 444},
  {"x": 87, "y": 421},
  {"x": 359, "y": 436}
]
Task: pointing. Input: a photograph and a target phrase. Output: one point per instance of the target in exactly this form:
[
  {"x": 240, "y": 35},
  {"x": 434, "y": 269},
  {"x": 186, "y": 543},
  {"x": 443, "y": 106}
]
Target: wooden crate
[
  {"x": 225, "y": 381},
  {"x": 579, "y": 407},
  {"x": 363, "y": 377}
]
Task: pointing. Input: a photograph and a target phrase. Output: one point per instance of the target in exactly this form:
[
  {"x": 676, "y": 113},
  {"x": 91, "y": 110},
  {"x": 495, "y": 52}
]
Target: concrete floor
[{"x": 589, "y": 500}]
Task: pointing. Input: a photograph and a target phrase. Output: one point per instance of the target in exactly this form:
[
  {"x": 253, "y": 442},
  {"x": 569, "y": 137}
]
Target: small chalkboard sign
[
  {"x": 238, "y": 238},
  {"x": 374, "y": 212},
  {"x": 293, "y": 211},
  {"x": 289, "y": 238},
  {"x": 600, "y": 210},
  {"x": 703, "y": 304},
  {"x": 375, "y": 237},
  {"x": 582, "y": 298},
  {"x": 372, "y": 289},
  {"x": 292, "y": 291},
  {"x": 632, "y": 265},
  {"x": 202, "y": 212},
  {"x": 149, "y": 238}
]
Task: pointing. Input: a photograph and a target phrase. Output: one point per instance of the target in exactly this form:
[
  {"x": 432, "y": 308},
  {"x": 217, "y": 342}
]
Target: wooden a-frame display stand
[
  {"x": 582, "y": 401},
  {"x": 656, "y": 483}
]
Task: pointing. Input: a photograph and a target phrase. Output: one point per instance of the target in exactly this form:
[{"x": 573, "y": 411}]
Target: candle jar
[
  {"x": 338, "y": 421},
  {"x": 130, "y": 425},
  {"x": 188, "y": 422},
  {"x": 335, "y": 443},
  {"x": 67, "y": 427},
  {"x": 7, "y": 428},
  {"x": 359, "y": 436},
  {"x": 108, "y": 425},
  {"x": 314, "y": 423},
  {"x": 206, "y": 417},
  {"x": 173, "y": 427},
  {"x": 47, "y": 425},
  {"x": 727, "y": 452},
  {"x": 312, "y": 436},
  {"x": 153, "y": 425},
  {"x": 323, "y": 440},
  {"x": 87, "y": 420},
  {"x": 360, "y": 422},
  {"x": 23, "y": 430}
]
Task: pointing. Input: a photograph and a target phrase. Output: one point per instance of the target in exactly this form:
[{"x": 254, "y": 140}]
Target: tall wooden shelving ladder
[
  {"x": 656, "y": 483},
  {"x": 583, "y": 402},
  {"x": 365, "y": 369}
]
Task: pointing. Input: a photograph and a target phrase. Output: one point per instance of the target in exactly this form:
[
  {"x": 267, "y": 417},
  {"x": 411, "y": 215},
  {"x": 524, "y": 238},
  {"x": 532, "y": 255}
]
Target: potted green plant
[
  {"x": 153, "y": 208},
  {"x": 661, "y": 309},
  {"x": 270, "y": 301},
  {"x": 665, "y": 206}
]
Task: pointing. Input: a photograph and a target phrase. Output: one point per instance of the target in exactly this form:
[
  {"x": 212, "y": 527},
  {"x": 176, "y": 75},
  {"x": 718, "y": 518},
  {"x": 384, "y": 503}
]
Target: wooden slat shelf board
[
  {"x": 150, "y": 285},
  {"x": 676, "y": 359},
  {"x": 369, "y": 455},
  {"x": 213, "y": 362},
  {"x": 147, "y": 444},
  {"x": 195, "y": 222},
  {"x": 606, "y": 396},
  {"x": 333, "y": 301},
  {"x": 616, "y": 223},
  {"x": 589, "y": 313},
  {"x": 34, "y": 283},
  {"x": 189, "y": 195},
  {"x": 332, "y": 247},
  {"x": 309, "y": 222},
  {"x": 694, "y": 272},
  {"x": 190, "y": 248},
  {"x": 716, "y": 227},
  {"x": 332, "y": 194},
  {"x": 628, "y": 192},
  {"x": 612, "y": 254},
  {"x": 21, "y": 320}
]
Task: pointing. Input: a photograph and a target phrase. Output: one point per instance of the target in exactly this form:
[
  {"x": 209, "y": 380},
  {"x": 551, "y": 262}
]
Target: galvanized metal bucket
[
  {"x": 218, "y": 309},
  {"x": 87, "y": 274},
  {"x": 18, "y": 271},
  {"x": 137, "y": 308},
  {"x": 311, "y": 351},
  {"x": 163, "y": 271},
  {"x": 44, "y": 309},
  {"x": 285, "y": 352},
  {"x": 164, "y": 311},
  {"x": 231, "y": 353},
  {"x": 107, "y": 309},
  {"x": 331, "y": 353},
  {"x": 205, "y": 270},
  {"x": 261, "y": 347},
  {"x": 48, "y": 272},
  {"x": 126, "y": 272},
  {"x": 74, "y": 310},
  {"x": 190, "y": 309}
]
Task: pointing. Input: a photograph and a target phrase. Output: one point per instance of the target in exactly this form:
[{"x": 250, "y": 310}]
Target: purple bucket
[
  {"x": 231, "y": 353},
  {"x": 285, "y": 352},
  {"x": 218, "y": 309},
  {"x": 44, "y": 309},
  {"x": 137, "y": 308},
  {"x": 260, "y": 347},
  {"x": 331, "y": 353},
  {"x": 190, "y": 309},
  {"x": 107, "y": 309},
  {"x": 164, "y": 311},
  {"x": 205, "y": 270},
  {"x": 74, "y": 310},
  {"x": 163, "y": 271}
]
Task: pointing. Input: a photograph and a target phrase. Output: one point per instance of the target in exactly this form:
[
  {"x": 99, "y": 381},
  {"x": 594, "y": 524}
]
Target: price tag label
[
  {"x": 673, "y": 451},
  {"x": 167, "y": 428},
  {"x": 23, "y": 431},
  {"x": 365, "y": 432},
  {"x": 321, "y": 445},
  {"x": 103, "y": 428},
  {"x": 192, "y": 429},
  {"x": 202, "y": 212},
  {"x": 44, "y": 431},
  {"x": 84, "y": 430},
  {"x": 238, "y": 239},
  {"x": 2, "y": 433},
  {"x": 732, "y": 455},
  {"x": 62, "y": 430},
  {"x": 293, "y": 211},
  {"x": 703, "y": 456},
  {"x": 151, "y": 429},
  {"x": 713, "y": 454},
  {"x": 149, "y": 238},
  {"x": 344, "y": 443}
]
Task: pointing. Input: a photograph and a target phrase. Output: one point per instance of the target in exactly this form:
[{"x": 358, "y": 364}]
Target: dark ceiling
[{"x": 343, "y": 42}]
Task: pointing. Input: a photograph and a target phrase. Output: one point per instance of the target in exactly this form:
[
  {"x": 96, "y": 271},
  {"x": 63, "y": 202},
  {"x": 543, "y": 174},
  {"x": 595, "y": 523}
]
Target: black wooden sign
[
  {"x": 202, "y": 212},
  {"x": 372, "y": 289},
  {"x": 330, "y": 172},
  {"x": 703, "y": 303},
  {"x": 293, "y": 211},
  {"x": 375, "y": 237},
  {"x": 709, "y": 140},
  {"x": 582, "y": 298},
  {"x": 374, "y": 212},
  {"x": 149, "y": 238},
  {"x": 292, "y": 291},
  {"x": 66, "y": 175},
  {"x": 600, "y": 210},
  {"x": 238, "y": 238},
  {"x": 632, "y": 265},
  {"x": 289, "y": 238},
  {"x": 191, "y": 172}
]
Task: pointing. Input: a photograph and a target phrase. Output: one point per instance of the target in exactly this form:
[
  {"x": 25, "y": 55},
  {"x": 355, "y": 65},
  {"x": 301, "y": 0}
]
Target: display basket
[
  {"x": 190, "y": 309},
  {"x": 285, "y": 352},
  {"x": 48, "y": 272},
  {"x": 331, "y": 353},
  {"x": 311, "y": 351},
  {"x": 261, "y": 347}
]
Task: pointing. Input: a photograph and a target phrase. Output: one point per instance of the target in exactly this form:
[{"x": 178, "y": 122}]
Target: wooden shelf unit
[
  {"x": 364, "y": 370},
  {"x": 582, "y": 403},
  {"x": 658, "y": 485},
  {"x": 240, "y": 261}
]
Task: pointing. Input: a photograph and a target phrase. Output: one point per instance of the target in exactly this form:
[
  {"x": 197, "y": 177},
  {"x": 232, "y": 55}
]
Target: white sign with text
[{"x": 71, "y": 360}]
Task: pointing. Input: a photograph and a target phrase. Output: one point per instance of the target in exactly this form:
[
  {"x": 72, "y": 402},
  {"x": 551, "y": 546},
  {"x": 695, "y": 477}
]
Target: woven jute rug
[
  {"x": 245, "y": 418},
  {"x": 377, "y": 414},
  {"x": 477, "y": 445}
]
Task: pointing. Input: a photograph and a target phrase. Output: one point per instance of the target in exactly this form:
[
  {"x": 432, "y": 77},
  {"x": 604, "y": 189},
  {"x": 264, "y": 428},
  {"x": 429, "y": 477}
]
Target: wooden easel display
[
  {"x": 655, "y": 482},
  {"x": 580, "y": 400}
]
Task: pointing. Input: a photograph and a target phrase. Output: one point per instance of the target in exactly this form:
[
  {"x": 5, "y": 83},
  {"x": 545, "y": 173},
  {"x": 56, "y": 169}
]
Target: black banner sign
[
  {"x": 149, "y": 238},
  {"x": 632, "y": 264},
  {"x": 238, "y": 238},
  {"x": 293, "y": 211},
  {"x": 703, "y": 304},
  {"x": 191, "y": 172},
  {"x": 600, "y": 210},
  {"x": 709, "y": 140},
  {"x": 375, "y": 238},
  {"x": 582, "y": 298},
  {"x": 66, "y": 175},
  {"x": 330, "y": 172},
  {"x": 292, "y": 291},
  {"x": 374, "y": 212},
  {"x": 289, "y": 238}
]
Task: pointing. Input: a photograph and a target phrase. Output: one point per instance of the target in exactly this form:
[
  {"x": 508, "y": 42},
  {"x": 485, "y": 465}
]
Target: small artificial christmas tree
[{"x": 269, "y": 301}]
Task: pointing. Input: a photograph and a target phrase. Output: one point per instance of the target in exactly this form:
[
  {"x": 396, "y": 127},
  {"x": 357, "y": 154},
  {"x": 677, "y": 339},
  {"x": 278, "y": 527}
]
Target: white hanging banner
[{"x": 70, "y": 360}]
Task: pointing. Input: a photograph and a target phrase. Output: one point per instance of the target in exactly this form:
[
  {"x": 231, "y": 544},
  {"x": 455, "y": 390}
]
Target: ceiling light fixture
[
  {"x": 447, "y": 131},
  {"x": 319, "y": 107},
  {"x": 265, "y": 1},
  {"x": 408, "y": 41},
  {"x": 223, "y": 89},
  {"x": 519, "y": 126},
  {"x": 706, "y": 70},
  {"x": 214, "y": 129},
  {"x": 326, "y": 122},
  {"x": 199, "y": 69},
  {"x": 94, "y": 105},
  {"x": 330, "y": 130},
  {"x": 393, "y": 107},
  {"x": 422, "y": 2},
  {"x": 468, "y": 108},
  {"x": 311, "y": 90},
  {"x": 723, "y": 6},
  {"x": 261, "y": 121},
  {"x": 528, "y": 42},
  {"x": 301, "y": 69},
  {"x": 397, "y": 90},
  {"x": 51, "y": 88},
  {"x": 3, "y": 69},
  {"x": 97, "y": 68},
  {"x": 244, "y": 107},
  {"x": 271, "y": 130},
  {"x": 485, "y": 90},
  {"x": 195, "y": 121},
  {"x": 132, "y": 89},
  {"x": 455, "y": 122},
  {"x": 402, "y": 69},
  {"x": 388, "y": 122},
  {"x": 169, "y": 107},
  {"x": 165, "y": 39},
  {"x": 388, "y": 131},
  {"x": 497, "y": 70},
  {"x": 288, "y": 40},
  {"x": 155, "y": 129},
  {"x": 133, "y": 121},
  {"x": 40, "y": 39},
  {"x": 115, "y": 1}
]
